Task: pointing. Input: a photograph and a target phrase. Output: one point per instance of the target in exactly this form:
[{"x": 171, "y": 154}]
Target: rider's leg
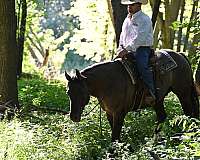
[{"x": 142, "y": 61}]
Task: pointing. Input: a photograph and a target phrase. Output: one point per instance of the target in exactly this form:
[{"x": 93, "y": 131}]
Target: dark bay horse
[{"x": 110, "y": 83}]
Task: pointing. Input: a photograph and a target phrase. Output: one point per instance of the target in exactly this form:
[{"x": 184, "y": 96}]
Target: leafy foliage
[
  {"x": 62, "y": 27},
  {"x": 40, "y": 130},
  {"x": 38, "y": 92},
  {"x": 38, "y": 133}
]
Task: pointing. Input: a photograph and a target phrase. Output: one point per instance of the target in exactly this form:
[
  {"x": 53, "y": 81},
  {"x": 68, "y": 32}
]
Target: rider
[{"x": 137, "y": 36}]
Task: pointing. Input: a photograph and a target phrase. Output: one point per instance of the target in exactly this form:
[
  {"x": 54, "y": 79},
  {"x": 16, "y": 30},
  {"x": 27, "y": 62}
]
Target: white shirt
[{"x": 136, "y": 32}]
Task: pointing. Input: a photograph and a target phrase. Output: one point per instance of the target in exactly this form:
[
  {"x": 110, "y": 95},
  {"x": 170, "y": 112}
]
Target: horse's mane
[
  {"x": 95, "y": 65},
  {"x": 100, "y": 67}
]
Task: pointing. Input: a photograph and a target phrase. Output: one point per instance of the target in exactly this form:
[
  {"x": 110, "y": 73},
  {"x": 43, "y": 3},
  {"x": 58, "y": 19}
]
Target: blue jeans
[{"x": 142, "y": 61}]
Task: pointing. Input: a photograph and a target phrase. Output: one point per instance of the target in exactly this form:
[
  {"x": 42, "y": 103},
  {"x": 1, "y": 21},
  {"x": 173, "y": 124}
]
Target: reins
[
  {"x": 91, "y": 110},
  {"x": 100, "y": 121}
]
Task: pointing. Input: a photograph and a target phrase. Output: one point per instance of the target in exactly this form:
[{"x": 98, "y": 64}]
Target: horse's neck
[
  {"x": 97, "y": 77},
  {"x": 94, "y": 84}
]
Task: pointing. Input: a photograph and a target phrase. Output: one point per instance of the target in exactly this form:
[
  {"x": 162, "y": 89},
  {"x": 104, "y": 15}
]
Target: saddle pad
[{"x": 165, "y": 62}]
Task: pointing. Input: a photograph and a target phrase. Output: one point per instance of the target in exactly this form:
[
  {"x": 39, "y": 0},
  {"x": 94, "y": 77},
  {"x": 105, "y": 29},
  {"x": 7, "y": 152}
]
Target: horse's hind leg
[
  {"x": 186, "y": 104},
  {"x": 161, "y": 116},
  {"x": 189, "y": 101},
  {"x": 110, "y": 119},
  {"x": 118, "y": 119}
]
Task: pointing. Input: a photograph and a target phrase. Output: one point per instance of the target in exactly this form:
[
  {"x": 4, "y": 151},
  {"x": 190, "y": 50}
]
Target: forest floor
[{"x": 42, "y": 130}]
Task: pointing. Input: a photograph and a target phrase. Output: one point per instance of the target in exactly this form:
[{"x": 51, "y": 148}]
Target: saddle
[{"x": 160, "y": 62}]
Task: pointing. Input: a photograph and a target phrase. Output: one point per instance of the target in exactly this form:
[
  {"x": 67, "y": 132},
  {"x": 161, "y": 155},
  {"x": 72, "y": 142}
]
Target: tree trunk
[
  {"x": 46, "y": 58},
  {"x": 165, "y": 28},
  {"x": 164, "y": 21},
  {"x": 195, "y": 44},
  {"x": 34, "y": 56},
  {"x": 38, "y": 61},
  {"x": 156, "y": 16},
  {"x": 37, "y": 45},
  {"x": 8, "y": 78},
  {"x": 21, "y": 37},
  {"x": 196, "y": 37},
  {"x": 156, "y": 35},
  {"x": 174, "y": 11},
  {"x": 195, "y": 4},
  {"x": 119, "y": 14},
  {"x": 180, "y": 29},
  {"x": 33, "y": 43},
  {"x": 171, "y": 13},
  {"x": 155, "y": 11}
]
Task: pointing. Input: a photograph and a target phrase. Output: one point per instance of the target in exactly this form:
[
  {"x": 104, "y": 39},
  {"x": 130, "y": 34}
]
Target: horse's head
[{"x": 78, "y": 94}]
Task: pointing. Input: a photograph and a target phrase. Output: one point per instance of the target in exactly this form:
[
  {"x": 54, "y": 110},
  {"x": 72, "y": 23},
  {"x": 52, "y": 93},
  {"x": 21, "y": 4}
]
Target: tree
[
  {"x": 21, "y": 33},
  {"x": 119, "y": 13},
  {"x": 8, "y": 78},
  {"x": 156, "y": 17},
  {"x": 179, "y": 38},
  {"x": 192, "y": 19},
  {"x": 164, "y": 21},
  {"x": 155, "y": 11}
]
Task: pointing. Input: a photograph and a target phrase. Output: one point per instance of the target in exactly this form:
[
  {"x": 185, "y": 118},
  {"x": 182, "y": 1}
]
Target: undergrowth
[{"x": 42, "y": 131}]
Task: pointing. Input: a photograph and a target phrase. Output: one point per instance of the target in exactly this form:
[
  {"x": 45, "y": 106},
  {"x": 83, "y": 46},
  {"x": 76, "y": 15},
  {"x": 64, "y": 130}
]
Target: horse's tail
[{"x": 194, "y": 96}]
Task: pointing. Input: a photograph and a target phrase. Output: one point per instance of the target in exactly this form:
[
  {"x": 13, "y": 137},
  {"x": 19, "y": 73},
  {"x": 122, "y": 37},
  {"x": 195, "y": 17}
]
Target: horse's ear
[
  {"x": 68, "y": 77},
  {"x": 79, "y": 75}
]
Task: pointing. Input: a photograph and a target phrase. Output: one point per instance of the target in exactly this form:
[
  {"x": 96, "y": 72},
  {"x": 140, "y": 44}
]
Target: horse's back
[
  {"x": 180, "y": 65},
  {"x": 179, "y": 58}
]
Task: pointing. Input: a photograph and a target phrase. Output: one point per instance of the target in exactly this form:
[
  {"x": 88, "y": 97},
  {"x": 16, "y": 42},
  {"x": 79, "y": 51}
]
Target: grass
[{"x": 39, "y": 132}]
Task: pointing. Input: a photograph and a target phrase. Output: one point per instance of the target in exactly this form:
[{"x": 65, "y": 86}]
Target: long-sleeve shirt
[{"x": 136, "y": 32}]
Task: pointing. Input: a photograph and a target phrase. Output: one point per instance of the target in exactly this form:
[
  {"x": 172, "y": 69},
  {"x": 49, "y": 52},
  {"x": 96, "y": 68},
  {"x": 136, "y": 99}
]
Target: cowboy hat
[{"x": 127, "y": 2}]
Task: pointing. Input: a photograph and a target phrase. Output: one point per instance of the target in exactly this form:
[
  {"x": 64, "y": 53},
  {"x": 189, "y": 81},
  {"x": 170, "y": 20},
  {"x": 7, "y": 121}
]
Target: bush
[
  {"x": 38, "y": 92},
  {"x": 43, "y": 134}
]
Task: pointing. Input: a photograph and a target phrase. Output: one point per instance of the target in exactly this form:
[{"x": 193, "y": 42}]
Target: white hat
[{"x": 127, "y": 2}]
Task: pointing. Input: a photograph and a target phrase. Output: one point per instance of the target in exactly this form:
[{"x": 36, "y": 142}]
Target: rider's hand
[{"x": 122, "y": 53}]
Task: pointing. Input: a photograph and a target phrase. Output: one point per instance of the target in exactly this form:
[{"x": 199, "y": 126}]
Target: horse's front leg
[{"x": 118, "y": 119}]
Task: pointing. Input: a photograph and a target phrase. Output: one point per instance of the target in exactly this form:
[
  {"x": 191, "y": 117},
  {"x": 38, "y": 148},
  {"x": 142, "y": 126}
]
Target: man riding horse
[
  {"x": 111, "y": 84},
  {"x": 137, "y": 37}
]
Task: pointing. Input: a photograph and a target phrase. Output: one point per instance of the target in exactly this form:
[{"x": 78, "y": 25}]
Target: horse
[{"x": 110, "y": 83}]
